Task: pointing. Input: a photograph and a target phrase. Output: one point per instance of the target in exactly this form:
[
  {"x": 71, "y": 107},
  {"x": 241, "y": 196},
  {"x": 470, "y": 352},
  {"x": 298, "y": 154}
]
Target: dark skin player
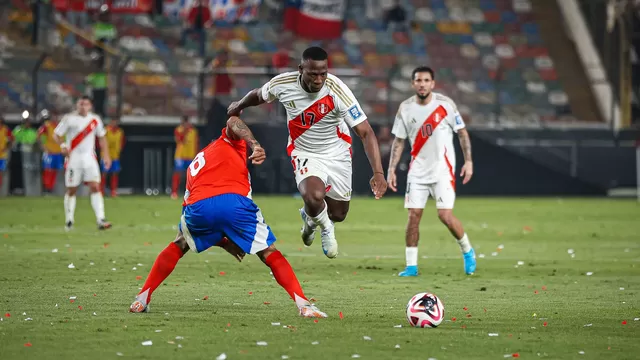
[{"x": 312, "y": 189}]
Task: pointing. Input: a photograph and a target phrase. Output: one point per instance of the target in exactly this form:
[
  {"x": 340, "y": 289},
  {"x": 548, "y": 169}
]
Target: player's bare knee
[
  {"x": 182, "y": 243},
  {"x": 338, "y": 216},
  {"x": 94, "y": 188},
  {"x": 72, "y": 191},
  {"x": 414, "y": 217},
  {"x": 446, "y": 216},
  {"x": 314, "y": 198},
  {"x": 264, "y": 254}
]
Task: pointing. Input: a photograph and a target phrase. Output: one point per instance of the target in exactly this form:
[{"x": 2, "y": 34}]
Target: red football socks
[
  {"x": 48, "y": 179},
  {"x": 162, "y": 268},
  {"x": 103, "y": 183},
  {"x": 175, "y": 182},
  {"x": 284, "y": 275}
]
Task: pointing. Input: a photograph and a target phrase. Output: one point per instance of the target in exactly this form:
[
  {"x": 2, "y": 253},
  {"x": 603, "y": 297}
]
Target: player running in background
[
  {"x": 115, "y": 141},
  {"x": 187, "y": 145},
  {"x": 218, "y": 211},
  {"x": 6, "y": 138},
  {"x": 76, "y": 133},
  {"x": 429, "y": 120},
  {"x": 52, "y": 158},
  {"x": 320, "y": 110}
]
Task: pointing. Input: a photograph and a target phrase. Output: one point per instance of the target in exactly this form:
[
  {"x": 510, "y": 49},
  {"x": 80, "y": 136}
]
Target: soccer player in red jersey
[{"x": 218, "y": 211}]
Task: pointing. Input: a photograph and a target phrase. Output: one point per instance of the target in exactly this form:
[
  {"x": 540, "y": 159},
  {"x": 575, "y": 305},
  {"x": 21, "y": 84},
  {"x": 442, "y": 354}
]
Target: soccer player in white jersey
[
  {"x": 429, "y": 121},
  {"x": 76, "y": 133},
  {"x": 320, "y": 110}
]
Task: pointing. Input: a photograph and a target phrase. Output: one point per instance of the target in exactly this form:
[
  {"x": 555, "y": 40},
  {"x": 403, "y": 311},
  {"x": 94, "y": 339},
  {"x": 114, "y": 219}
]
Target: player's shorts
[
  {"x": 336, "y": 174},
  {"x": 81, "y": 170},
  {"x": 52, "y": 161},
  {"x": 3, "y": 164},
  {"x": 206, "y": 222},
  {"x": 115, "y": 167},
  {"x": 181, "y": 164},
  {"x": 443, "y": 192}
]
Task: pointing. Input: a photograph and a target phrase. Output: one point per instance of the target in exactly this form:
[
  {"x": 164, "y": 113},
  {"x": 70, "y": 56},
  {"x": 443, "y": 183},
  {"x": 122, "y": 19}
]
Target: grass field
[{"x": 551, "y": 306}]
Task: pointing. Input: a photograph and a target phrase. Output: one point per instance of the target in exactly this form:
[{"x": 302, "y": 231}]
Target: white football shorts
[
  {"x": 443, "y": 192},
  {"x": 81, "y": 169},
  {"x": 336, "y": 174}
]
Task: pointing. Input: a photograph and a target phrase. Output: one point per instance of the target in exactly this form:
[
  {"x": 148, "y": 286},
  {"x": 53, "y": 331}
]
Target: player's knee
[
  {"x": 94, "y": 187},
  {"x": 264, "y": 254},
  {"x": 446, "y": 216},
  {"x": 414, "y": 218},
  {"x": 314, "y": 197},
  {"x": 338, "y": 216},
  {"x": 72, "y": 191}
]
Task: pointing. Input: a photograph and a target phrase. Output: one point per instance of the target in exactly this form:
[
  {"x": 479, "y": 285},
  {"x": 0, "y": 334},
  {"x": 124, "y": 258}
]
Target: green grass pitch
[{"x": 551, "y": 306}]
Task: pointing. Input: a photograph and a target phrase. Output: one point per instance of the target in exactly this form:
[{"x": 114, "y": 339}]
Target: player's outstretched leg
[
  {"x": 412, "y": 237},
  {"x": 69, "y": 207},
  {"x": 286, "y": 277},
  {"x": 455, "y": 227},
  {"x": 162, "y": 268},
  {"x": 313, "y": 192},
  {"x": 97, "y": 203}
]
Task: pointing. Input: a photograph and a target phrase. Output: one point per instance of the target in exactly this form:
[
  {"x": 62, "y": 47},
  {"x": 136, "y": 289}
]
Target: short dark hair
[
  {"x": 420, "y": 69},
  {"x": 85, "y": 97},
  {"x": 314, "y": 53}
]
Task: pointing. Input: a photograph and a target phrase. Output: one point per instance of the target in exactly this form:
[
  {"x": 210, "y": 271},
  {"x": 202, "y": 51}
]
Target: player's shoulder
[
  {"x": 335, "y": 83},
  {"x": 444, "y": 99},
  {"x": 284, "y": 79},
  {"x": 406, "y": 104}
]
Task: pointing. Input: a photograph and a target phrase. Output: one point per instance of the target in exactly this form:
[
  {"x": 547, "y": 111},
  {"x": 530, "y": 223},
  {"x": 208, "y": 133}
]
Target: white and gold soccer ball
[{"x": 425, "y": 310}]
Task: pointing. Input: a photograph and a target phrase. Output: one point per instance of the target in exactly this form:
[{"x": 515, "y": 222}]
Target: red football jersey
[{"x": 220, "y": 168}]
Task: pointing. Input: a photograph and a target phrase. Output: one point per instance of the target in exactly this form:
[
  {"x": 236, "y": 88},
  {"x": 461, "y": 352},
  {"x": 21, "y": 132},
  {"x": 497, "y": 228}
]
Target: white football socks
[
  {"x": 69, "y": 207},
  {"x": 322, "y": 219},
  {"x": 411, "y": 254},
  {"x": 97, "y": 203},
  {"x": 465, "y": 245}
]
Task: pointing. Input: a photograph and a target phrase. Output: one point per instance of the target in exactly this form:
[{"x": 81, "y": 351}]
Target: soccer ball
[{"x": 425, "y": 310}]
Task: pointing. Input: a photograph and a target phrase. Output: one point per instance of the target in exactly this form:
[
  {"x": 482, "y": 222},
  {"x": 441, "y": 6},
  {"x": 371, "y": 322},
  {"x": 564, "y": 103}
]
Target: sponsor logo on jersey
[
  {"x": 354, "y": 112},
  {"x": 291, "y": 104}
]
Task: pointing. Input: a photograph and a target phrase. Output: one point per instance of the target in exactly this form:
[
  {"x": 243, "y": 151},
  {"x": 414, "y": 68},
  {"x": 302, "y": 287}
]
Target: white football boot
[
  {"x": 329, "y": 242},
  {"x": 311, "y": 311},
  {"x": 308, "y": 232}
]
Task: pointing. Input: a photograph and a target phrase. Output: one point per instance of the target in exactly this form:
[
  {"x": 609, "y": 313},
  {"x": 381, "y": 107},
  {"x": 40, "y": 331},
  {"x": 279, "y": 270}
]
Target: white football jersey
[
  {"x": 429, "y": 129},
  {"x": 319, "y": 122},
  {"x": 80, "y": 133}
]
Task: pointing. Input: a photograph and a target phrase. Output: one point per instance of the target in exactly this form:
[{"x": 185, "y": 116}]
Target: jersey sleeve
[
  {"x": 454, "y": 119},
  {"x": 61, "y": 129},
  {"x": 399, "y": 127},
  {"x": 100, "y": 130},
  {"x": 271, "y": 90},
  {"x": 349, "y": 108}
]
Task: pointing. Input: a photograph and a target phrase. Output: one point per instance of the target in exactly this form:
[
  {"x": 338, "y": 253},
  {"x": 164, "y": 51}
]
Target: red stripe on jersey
[
  {"x": 83, "y": 134},
  {"x": 309, "y": 116},
  {"x": 427, "y": 129},
  {"x": 453, "y": 177},
  {"x": 346, "y": 138}
]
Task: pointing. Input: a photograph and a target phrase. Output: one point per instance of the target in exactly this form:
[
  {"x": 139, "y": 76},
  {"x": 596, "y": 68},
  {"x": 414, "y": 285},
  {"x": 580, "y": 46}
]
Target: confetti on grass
[{"x": 147, "y": 343}]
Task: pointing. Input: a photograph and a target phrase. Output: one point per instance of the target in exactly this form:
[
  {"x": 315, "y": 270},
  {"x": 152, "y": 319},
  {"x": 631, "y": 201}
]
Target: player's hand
[
  {"x": 467, "y": 172},
  {"x": 258, "y": 155},
  {"x": 378, "y": 185},
  {"x": 233, "y": 249},
  {"x": 64, "y": 150},
  {"x": 106, "y": 160},
  {"x": 391, "y": 181},
  {"x": 234, "y": 109}
]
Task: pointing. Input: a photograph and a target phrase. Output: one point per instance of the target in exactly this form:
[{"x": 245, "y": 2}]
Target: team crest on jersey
[{"x": 323, "y": 108}]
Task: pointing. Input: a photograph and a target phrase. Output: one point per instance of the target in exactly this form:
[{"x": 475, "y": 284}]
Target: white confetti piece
[
  {"x": 520, "y": 263},
  {"x": 581, "y": 352},
  {"x": 72, "y": 297},
  {"x": 315, "y": 343},
  {"x": 94, "y": 314},
  {"x": 24, "y": 313},
  {"x": 54, "y": 250},
  {"x": 222, "y": 356},
  {"x": 533, "y": 327},
  {"x": 275, "y": 324},
  {"x": 570, "y": 251},
  {"x": 179, "y": 337},
  {"x": 621, "y": 288},
  {"x": 71, "y": 266},
  {"x": 493, "y": 334},
  {"x": 507, "y": 356},
  {"x": 587, "y": 325},
  {"x": 589, "y": 273},
  {"x": 397, "y": 326},
  {"x": 147, "y": 343},
  {"x": 481, "y": 256},
  {"x": 494, "y": 254},
  {"x": 261, "y": 343},
  {"x": 180, "y": 346},
  {"x": 636, "y": 319},
  {"x": 158, "y": 331},
  {"x": 397, "y": 346},
  {"x": 56, "y": 305},
  {"x": 28, "y": 319},
  {"x": 139, "y": 264},
  {"x": 113, "y": 261},
  {"x": 355, "y": 356},
  {"x": 432, "y": 359},
  {"x": 113, "y": 269},
  {"x": 573, "y": 255},
  {"x": 284, "y": 357},
  {"x": 67, "y": 245},
  {"x": 500, "y": 246},
  {"x": 92, "y": 263},
  {"x": 367, "y": 338},
  {"x": 134, "y": 268},
  {"x": 119, "y": 354}
]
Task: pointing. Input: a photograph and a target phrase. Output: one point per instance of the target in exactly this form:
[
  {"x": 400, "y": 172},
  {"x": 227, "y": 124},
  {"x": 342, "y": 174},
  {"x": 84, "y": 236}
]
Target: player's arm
[
  {"x": 58, "y": 135},
  {"x": 104, "y": 145},
  {"x": 397, "y": 147},
  {"x": 465, "y": 144},
  {"x": 258, "y": 96},
  {"x": 371, "y": 148},
  {"x": 238, "y": 130}
]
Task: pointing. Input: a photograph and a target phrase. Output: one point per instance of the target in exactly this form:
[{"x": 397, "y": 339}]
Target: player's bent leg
[
  {"x": 286, "y": 277},
  {"x": 455, "y": 227},
  {"x": 97, "y": 203},
  {"x": 338, "y": 209},
  {"x": 315, "y": 212},
  {"x": 412, "y": 237},
  {"x": 163, "y": 267}
]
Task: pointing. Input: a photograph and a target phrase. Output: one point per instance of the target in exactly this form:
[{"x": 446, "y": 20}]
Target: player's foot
[
  {"x": 308, "y": 231},
  {"x": 174, "y": 196},
  {"x": 329, "y": 242},
  {"x": 68, "y": 226},
  {"x": 104, "y": 225},
  {"x": 310, "y": 311},
  {"x": 409, "y": 271},
  {"x": 469, "y": 262},
  {"x": 138, "y": 307}
]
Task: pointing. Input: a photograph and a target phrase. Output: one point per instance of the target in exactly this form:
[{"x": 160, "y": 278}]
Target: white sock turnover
[
  {"x": 322, "y": 219},
  {"x": 411, "y": 254},
  {"x": 465, "y": 245}
]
